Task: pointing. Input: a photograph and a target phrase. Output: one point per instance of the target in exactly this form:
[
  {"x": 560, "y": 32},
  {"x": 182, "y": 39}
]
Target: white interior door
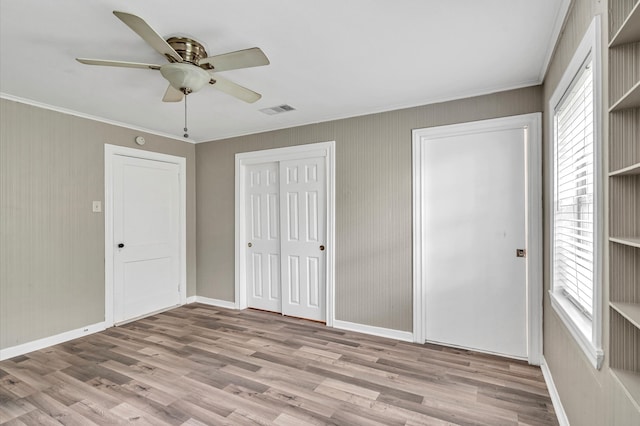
[
  {"x": 263, "y": 231},
  {"x": 285, "y": 229},
  {"x": 474, "y": 193},
  {"x": 303, "y": 224},
  {"x": 146, "y": 219}
]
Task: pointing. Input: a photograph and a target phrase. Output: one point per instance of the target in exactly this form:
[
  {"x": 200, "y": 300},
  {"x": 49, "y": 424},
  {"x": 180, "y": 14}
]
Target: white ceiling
[{"x": 329, "y": 59}]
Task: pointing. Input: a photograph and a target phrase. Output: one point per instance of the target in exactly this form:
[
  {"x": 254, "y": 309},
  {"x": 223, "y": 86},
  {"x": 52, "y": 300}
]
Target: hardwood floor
[{"x": 201, "y": 365}]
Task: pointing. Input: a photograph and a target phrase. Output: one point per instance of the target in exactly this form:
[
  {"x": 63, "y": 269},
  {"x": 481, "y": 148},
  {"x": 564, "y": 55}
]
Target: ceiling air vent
[{"x": 278, "y": 109}]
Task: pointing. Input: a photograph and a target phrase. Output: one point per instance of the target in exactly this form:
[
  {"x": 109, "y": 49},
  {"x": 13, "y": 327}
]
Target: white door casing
[
  {"x": 263, "y": 236},
  {"x": 458, "y": 181},
  {"x": 302, "y": 207},
  {"x": 145, "y": 209},
  {"x": 323, "y": 150}
]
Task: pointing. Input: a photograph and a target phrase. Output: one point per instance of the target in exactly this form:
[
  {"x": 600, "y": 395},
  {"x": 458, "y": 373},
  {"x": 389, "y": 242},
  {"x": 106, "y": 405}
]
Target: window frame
[{"x": 587, "y": 332}]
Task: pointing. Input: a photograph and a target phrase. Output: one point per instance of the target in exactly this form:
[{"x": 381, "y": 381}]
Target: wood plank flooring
[{"x": 201, "y": 365}]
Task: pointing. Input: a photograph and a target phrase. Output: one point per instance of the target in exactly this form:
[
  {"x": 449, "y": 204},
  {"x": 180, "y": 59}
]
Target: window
[
  {"x": 575, "y": 222},
  {"x": 573, "y": 192}
]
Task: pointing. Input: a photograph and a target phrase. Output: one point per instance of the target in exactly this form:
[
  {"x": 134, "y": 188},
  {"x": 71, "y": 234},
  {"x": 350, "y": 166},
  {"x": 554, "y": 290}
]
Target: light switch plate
[{"x": 97, "y": 206}]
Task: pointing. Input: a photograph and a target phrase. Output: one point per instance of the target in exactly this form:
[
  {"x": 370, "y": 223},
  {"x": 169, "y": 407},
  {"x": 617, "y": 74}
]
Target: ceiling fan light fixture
[{"x": 185, "y": 77}]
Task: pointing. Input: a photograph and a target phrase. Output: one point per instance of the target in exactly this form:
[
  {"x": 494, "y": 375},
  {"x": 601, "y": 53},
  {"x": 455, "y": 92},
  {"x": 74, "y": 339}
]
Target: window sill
[{"x": 580, "y": 327}]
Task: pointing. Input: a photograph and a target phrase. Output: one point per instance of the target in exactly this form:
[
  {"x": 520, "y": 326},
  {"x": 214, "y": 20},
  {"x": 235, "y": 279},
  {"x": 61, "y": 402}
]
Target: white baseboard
[
  {"x": 35, "y": 345},
  {"x": 405, "y": 336},
  {"x": 191, "y": 299},
  {"x": 553, "y": 393},
  {"x": 216, "y": 302}
]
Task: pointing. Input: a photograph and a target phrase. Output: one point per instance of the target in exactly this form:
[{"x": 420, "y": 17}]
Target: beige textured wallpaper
[
  {"x": 373, "y": 201},
  {"x": 51, "y": 244}
]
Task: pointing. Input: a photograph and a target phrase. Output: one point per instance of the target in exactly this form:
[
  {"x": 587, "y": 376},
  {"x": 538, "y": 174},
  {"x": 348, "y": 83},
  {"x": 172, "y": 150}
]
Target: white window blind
[{"x": 573, "y": 222}]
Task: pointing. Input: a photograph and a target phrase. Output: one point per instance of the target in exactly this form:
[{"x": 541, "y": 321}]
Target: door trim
[
  {"x": 531, "y": 123},
  {"x": 320, "y": 149},
  {"x": 110, "y": 151}
]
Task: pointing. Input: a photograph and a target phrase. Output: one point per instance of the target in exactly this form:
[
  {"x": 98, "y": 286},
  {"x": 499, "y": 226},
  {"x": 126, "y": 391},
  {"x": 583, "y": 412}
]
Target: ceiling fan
[{"x": 189, "y": 68}]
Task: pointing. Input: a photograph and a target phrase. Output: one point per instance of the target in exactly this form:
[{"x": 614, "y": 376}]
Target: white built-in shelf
[
  {"x": 623, "y": 344},
  {"x": 631, "y": 99},
  {"x": 629, "y": 32},
  {"x": 627, "y": 241},
  {"x": 631, "y": 311},
  {"x": 627, "y": 171},
  {"x": 630, "y": 381}
]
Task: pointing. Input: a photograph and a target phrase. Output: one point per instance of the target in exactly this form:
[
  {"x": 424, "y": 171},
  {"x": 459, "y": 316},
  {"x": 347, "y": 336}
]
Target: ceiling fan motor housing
[
  {"x": 188, "y": 49},
  {"x": 187, "y": 76}
]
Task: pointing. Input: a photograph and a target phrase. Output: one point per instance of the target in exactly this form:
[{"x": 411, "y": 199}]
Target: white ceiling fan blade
[
  {"x": 234, "y": 89},
  {"x": 246, "y": 58},
  {"x": 123, "y": 64},
  {"x": 148, "y": 34},
  {"x": 172, "y": 95}
]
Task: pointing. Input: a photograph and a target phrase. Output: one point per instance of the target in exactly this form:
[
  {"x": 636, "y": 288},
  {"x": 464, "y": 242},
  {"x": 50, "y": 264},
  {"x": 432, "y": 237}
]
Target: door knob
[
  {"x": 120, "y": 245},
  {"x": 321, "y": 248},
  {"x": 249, "y": 245}
]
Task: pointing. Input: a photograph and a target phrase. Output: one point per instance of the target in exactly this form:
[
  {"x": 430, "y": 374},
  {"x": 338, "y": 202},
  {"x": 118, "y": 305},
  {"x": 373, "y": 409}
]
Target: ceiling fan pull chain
[{"x": 186, "y": 135}]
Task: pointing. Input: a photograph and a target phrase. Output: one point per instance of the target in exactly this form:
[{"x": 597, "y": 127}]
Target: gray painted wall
[
  {"x": 51, "y": 244},
  {"x": 589, "y": 396},
  {"x": 373, "y": 201}
]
